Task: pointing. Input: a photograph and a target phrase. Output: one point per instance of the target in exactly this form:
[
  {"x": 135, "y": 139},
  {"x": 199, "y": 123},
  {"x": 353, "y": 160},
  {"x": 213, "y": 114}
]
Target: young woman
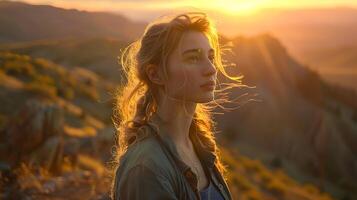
[{"x": 166, "y": 144}]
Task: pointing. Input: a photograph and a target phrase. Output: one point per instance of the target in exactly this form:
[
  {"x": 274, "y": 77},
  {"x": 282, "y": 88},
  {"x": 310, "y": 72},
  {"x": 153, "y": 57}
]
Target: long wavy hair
[{"x": 136, "y": 98}]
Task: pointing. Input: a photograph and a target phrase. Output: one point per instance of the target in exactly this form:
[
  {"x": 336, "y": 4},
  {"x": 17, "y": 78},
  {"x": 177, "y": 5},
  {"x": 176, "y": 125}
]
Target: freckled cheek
[
  {"x": 179, "y": 77},
  {"x": 184, "y": 81},
  {"x": 192, "y": 81},
  {"x": 190, "y": 75}
]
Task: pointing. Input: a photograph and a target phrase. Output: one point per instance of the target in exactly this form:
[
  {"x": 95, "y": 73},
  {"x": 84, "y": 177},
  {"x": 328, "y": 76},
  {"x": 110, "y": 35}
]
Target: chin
[{"x": 206, "y": 98}]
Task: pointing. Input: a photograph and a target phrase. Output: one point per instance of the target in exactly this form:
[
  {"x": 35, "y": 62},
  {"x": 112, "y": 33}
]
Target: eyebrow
[{"x": 198, "y": 50}]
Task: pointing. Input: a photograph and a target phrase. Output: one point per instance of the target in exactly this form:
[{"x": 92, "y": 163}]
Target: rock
[
  {"x": 49, "y": 155},
  {"x": 35, "y": 129}
]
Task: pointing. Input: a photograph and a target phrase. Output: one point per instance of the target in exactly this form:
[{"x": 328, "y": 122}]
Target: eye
[{"x": 193, "y": 59}]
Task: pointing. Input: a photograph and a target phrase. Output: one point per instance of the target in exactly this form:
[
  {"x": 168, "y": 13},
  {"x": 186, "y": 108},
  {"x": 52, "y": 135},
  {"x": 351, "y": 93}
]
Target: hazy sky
[{"x": 147, "y": 9}]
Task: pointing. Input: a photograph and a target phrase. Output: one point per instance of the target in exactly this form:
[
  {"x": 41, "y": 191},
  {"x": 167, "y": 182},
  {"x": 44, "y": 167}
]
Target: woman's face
[{"x": 191, "y": 73}]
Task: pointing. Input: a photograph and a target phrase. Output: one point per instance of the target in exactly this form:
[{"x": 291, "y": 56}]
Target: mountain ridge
[{"x": 49, "y": 22}]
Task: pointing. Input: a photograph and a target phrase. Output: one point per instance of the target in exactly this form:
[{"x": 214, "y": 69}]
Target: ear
[{"x": 154, "y": 74}]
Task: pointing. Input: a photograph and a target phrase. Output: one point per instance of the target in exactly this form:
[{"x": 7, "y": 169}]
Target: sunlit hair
[{"x": 137, "y": 97}]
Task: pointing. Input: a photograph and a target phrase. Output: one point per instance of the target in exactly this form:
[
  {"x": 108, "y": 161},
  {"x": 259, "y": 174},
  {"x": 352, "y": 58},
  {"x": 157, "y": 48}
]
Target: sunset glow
[{"x": 154, "y": 7}]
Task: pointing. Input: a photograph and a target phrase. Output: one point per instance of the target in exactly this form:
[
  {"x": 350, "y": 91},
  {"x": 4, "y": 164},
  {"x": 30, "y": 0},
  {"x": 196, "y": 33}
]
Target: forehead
[{"x": 194, "y": 39}]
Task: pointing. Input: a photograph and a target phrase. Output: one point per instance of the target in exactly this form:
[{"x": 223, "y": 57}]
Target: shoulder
[
  {"x": 146, "y": 152},
  {"x": 140, "y": 182},
  {"x": 145, "y": 166}
]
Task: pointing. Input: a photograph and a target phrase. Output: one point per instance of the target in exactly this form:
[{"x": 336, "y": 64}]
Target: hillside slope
[
  {"x": 299, "y": 119},
  {"x": 21, "y": 22}
]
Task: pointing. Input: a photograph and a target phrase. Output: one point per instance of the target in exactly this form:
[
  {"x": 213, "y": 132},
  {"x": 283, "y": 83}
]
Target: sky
[{"x": 149, "y": 9}]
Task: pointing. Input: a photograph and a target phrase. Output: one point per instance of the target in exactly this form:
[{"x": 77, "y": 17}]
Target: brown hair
[{"x": 137, "y": 96}]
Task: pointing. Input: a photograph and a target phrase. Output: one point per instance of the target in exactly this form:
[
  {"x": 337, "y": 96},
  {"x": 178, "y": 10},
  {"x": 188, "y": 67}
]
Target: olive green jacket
[{"x": 151, "y": 169}]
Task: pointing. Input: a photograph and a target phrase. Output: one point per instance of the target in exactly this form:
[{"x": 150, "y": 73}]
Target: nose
[{"x": 209, "y": 69}]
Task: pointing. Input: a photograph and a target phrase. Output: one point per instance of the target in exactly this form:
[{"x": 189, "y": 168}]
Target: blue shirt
[{"x": 210, "y": 193}]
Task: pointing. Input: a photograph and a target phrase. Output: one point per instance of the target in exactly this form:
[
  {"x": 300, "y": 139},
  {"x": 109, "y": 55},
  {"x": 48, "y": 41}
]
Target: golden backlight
[{"x": 230, "y": 7}]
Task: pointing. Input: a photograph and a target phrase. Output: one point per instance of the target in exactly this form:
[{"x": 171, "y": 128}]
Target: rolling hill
[
  {"x": 95, "y": 54},
  {"x": 25, "y": 22}
]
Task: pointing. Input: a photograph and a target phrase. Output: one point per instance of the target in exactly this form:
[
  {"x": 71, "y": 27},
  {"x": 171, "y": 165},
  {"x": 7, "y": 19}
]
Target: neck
[{"x": 176, "y": 118}]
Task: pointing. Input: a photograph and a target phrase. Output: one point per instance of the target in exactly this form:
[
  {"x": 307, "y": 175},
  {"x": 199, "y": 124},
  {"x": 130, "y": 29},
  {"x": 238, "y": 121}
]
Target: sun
[{"x": 234, "y": 7}]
